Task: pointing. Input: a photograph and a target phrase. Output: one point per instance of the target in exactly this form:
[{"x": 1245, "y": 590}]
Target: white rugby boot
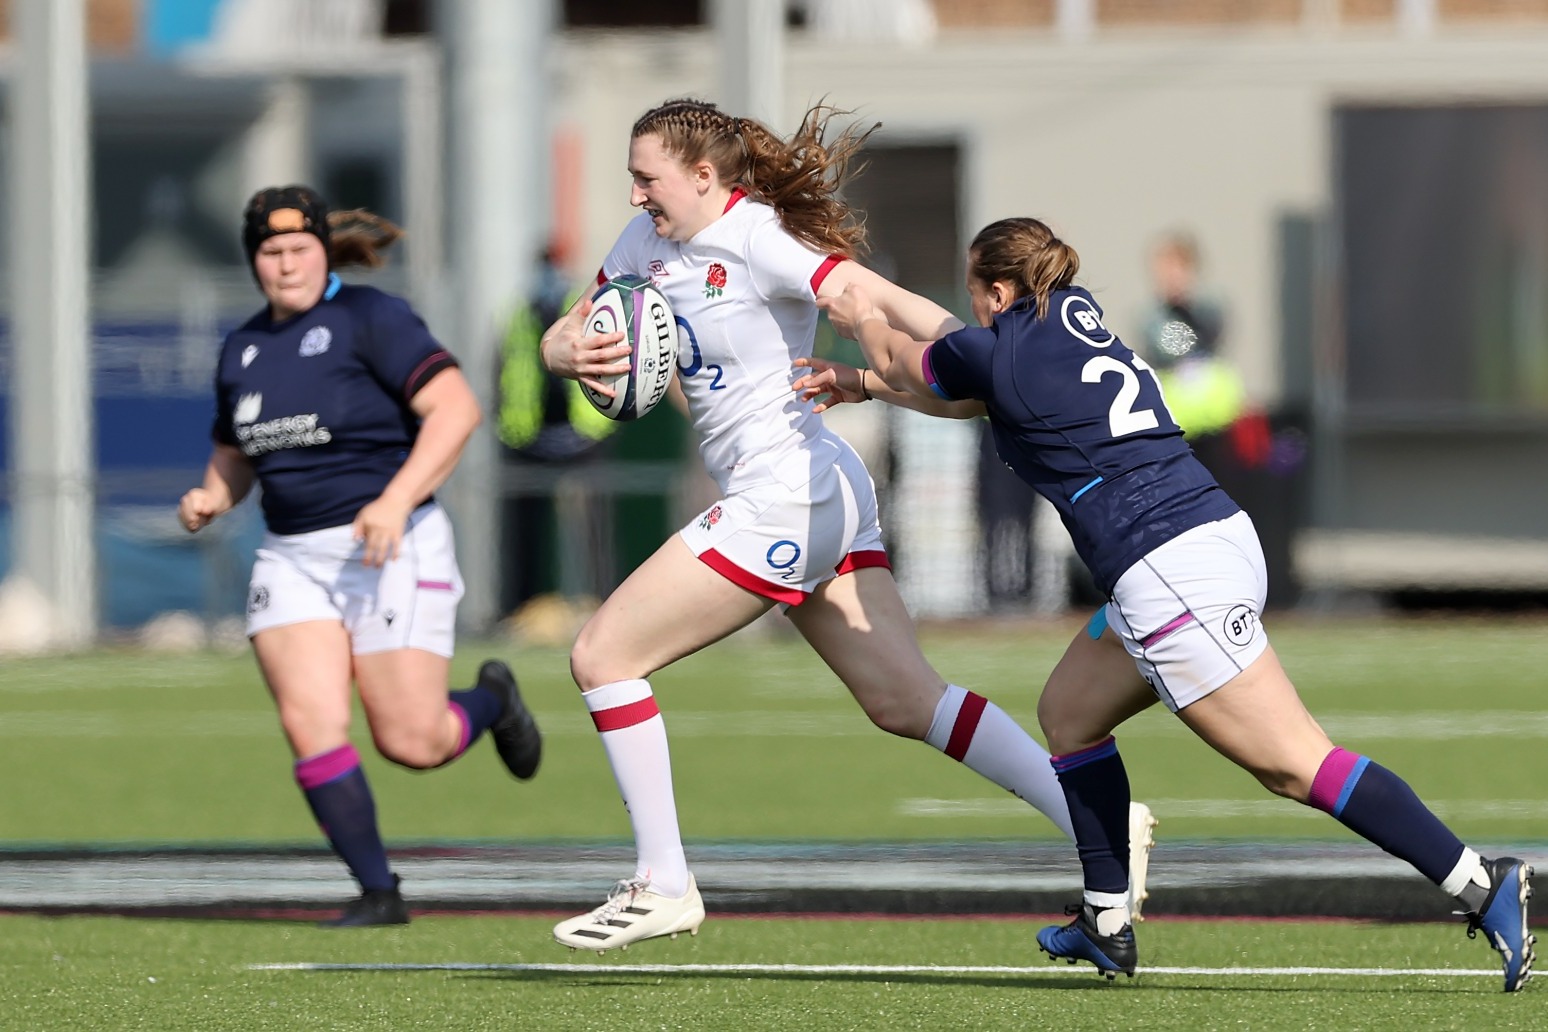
[
  {"x": 1141, "y": 839},
  {"x": 633, "y": 911}
]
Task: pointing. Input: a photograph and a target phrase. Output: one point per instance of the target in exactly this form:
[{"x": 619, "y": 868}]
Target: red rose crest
[
  {"x": 715, "y": 280},
  {"x": 713, "y": 516}
]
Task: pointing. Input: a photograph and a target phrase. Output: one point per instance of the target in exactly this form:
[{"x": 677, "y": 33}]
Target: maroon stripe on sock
[
  {"x": 619, "y": 717},
  {"x": 966, "y": 726}
]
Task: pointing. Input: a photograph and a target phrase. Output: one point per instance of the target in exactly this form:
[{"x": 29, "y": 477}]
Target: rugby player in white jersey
[{"x": 743, "y": 231}]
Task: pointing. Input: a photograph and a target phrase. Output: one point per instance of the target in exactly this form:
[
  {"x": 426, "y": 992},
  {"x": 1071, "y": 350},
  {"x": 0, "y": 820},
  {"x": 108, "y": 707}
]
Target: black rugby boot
[
  {"x": 515, "y": 733},
  {"x": 373, "y": 907}
]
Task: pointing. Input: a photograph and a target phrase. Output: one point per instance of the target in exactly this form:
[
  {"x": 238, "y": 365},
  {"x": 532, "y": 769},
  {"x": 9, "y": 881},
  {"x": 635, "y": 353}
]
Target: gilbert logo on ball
[{"x": 632, "y": 306}]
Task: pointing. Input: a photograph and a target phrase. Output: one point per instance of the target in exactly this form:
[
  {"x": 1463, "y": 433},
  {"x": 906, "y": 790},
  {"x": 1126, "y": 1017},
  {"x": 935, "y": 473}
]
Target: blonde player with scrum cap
[{"x": 743, "y": 231}]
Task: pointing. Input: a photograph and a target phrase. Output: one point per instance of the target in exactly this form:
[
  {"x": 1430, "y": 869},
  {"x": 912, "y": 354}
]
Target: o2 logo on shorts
[
  {"x": 783, "y": 556},
  {"x": 257, "y": 599},
  {"x": 1241, "y": 625}
]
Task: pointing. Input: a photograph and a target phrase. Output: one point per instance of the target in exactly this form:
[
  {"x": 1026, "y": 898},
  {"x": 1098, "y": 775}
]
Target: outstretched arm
[
  {"x": 895, "y": 355},
  {"x": 918, "y": 317},
  {"x": 836, "y": 384}
]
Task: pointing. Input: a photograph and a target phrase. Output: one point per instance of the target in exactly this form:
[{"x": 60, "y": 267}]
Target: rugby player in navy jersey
[
  {"x": 341, "y": 406},
  {"x": 1079, "y": 417}
]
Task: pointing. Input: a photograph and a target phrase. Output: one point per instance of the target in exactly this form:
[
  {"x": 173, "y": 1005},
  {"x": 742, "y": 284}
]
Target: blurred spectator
[
  {"x": 545, "y": 422},
  {"x": 1182, "y": 341},
  {"x": 1255, "y": 458}
]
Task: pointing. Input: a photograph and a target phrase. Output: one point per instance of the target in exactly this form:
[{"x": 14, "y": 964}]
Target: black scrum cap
[{"x": 283, "y": 209}]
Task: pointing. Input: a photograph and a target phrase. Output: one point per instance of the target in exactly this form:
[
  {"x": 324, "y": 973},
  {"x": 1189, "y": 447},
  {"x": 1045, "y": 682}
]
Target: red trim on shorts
[
  {"x": 828, "y": 265},
  {"x": 752, "y": 582},
  {"x": 619, "y": 717},
  {"x": 869, "y": 559},
  {"x": 966, "y": 725},
  {"x": 434, "y": 585},
  {"x": 737, "y": 193}
]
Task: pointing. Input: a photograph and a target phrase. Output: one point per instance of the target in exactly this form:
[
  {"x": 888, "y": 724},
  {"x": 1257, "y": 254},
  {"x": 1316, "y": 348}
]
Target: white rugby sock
[
  {"x": 634, "y": 736},
  {"x": 1469, "y": 870},
  {"x": 971, "y": 729}
]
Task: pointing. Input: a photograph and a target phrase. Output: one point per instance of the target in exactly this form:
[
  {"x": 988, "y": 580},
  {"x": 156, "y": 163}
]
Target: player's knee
[
  {"x": 588, "y": 664},
  {"x": 412, "y": 747},
  {"x": 310, "y": 733},
  {"x": 897, "y": 716},
  {"x": 1058, "y": 719},
  {"x": 1283, "y": 781},
  {"x": 593, "y": 662}
]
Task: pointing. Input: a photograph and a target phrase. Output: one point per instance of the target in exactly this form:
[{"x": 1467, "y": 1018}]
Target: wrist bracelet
[{"x": 865, "y": 395}]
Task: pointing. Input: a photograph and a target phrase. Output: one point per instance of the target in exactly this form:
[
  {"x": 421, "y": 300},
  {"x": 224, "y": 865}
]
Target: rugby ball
[{"x": 632, "y": 306}]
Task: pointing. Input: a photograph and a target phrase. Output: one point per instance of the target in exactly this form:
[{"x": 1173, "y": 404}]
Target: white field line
[
  {"x": 1435, "y": 725},
  {"x": 1271, "y": 808},
  {"x": 882, "y": 969}
]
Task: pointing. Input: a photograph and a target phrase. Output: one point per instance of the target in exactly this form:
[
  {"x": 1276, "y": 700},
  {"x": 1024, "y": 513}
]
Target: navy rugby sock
[
  {"x": 1375, "y": 803},
  {"x": 477, "y": 708},
  {"x": 336, "y": 789},
  {"x": 1096, "y": 785}
]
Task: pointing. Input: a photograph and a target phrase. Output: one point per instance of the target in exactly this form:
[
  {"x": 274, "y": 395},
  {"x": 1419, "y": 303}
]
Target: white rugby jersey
[{"x": 742, "y": 291}]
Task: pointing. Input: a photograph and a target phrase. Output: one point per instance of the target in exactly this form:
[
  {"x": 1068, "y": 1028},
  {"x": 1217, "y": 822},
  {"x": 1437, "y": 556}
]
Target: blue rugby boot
[
  {"x": 1503, "y": 918},
  {"x": 1080, "y": 940}
]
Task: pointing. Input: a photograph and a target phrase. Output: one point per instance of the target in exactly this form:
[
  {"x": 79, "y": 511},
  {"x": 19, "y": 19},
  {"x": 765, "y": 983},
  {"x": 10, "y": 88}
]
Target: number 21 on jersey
[{"x": 1123, "y": 417}]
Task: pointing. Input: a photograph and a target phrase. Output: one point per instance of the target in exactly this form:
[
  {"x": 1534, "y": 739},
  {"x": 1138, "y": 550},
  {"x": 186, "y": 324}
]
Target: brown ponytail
[
  {"x": 1024, "y": 253},
  {"x": 357, "y": 237},
  {"x": 799, "y": 177}
]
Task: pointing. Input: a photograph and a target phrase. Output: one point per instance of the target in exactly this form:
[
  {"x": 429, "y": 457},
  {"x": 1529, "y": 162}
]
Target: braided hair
[{"x": 799, "y": 177}]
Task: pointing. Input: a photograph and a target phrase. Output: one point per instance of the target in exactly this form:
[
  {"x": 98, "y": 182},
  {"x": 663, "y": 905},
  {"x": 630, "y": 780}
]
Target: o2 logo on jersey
[
  {"x": 1241, "y": 625},
  {"x": 783, "y": 556},
  {"x": 1082, "y": 319},
  {"x": 696, "y": 363}
]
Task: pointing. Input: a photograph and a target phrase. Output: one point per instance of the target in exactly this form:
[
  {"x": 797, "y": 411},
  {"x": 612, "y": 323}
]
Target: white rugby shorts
[
  {"x": 408, "y": 603},
  {"x": 1188, "y": 612},
  {"x": 782, "y": 541}
]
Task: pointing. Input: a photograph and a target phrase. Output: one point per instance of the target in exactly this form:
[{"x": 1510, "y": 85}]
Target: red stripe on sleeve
[
  {"x": 828, "y": 265},
  {"x": 625, "y": 716},
  {"x": 966, "y": 726}
]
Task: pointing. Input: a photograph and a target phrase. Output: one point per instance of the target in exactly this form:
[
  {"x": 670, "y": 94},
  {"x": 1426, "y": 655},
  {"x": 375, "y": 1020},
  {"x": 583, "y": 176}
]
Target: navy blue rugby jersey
[
  {"x": 319, "y": 403},
  {"x": 1080, "y": 417}
]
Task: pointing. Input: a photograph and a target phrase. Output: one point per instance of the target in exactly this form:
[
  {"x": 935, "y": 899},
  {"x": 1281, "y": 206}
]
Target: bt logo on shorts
[
  {"x": 783, "y": 556},
  {"x": 1241, "y": 625}
]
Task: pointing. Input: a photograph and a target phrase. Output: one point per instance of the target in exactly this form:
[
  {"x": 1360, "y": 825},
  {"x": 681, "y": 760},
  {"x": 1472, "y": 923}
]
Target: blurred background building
[{"x": 1369, "y": 180}]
